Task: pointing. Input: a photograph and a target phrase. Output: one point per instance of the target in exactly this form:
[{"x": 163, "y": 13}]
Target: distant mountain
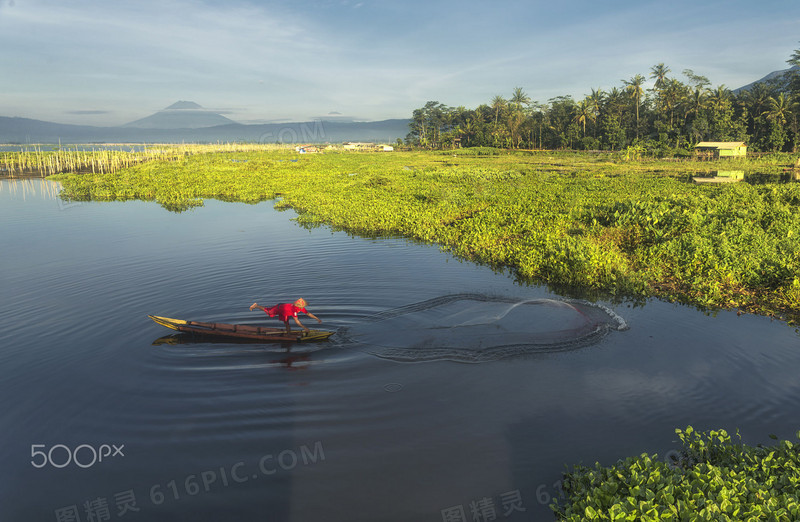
[
  {"x": 782, "y": 75},
  {"x": 180, "y": 104},
  {"x": 181, "y": 115},
  {"x": 24, "y": 131}
]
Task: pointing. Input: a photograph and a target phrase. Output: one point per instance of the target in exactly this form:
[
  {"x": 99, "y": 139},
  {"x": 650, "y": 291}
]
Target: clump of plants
[{"x": 714, "y": 478}]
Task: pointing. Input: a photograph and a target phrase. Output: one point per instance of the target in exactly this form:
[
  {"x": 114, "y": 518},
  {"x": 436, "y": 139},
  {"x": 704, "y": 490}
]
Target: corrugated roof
[{"x": 720, "y": 144}]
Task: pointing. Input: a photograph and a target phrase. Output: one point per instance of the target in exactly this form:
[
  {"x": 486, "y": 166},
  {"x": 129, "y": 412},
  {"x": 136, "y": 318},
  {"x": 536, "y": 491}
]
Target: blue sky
[{"x": 109, "y": 62}]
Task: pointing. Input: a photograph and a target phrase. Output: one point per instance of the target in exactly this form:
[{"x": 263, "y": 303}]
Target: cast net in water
[{"x": 477, "y": 328}]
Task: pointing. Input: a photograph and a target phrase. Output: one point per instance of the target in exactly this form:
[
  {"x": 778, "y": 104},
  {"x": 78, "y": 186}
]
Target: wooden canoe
[{"x": 241, "y": 331}]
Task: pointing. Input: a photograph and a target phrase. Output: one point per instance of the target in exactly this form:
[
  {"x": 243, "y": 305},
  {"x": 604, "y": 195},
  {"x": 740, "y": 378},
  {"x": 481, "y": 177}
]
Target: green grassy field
[{"x": 587, "y": 224}]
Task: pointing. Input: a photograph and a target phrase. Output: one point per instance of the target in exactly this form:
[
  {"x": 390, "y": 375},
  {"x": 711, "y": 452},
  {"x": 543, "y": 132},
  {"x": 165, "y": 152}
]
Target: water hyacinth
[
  {"x": 714, "y": 478},
  {"x": 587, "y": 222}
]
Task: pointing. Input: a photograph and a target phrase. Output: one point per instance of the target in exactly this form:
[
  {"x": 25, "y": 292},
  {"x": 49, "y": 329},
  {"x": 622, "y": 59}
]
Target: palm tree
[
  {"x": 695, "y": 105},
  {"x": 538, "y": 114},
  {"x": 719, "y": 96},
  {"x": 614, "y": 102},
  {"x": 794, "y": 73},
  {"x": 519, "y": 98},
  {"x": 583, "y": 112},
  {"x": 795, "y": 59},
  {"x": 466, "y": 130},
  {"x": 498, "y": 103},
  {"x": 722, "y": 124},
  {"x": 794, "y": 108},
  {"x": 671, "y": 95},
  {"x": 634, "y": 87},
  {"x": 697, "y": 102},
  {"x": 595, "y": 101},
  {"x": 756, "y": 99},
  {"x": 779, "y": 109},
  {"x": 515, "y": 120},
  {"x": 659, "y": 73}
]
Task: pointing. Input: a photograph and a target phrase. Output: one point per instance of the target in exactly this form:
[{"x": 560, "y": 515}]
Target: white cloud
[{"x": 378, "y": 59}]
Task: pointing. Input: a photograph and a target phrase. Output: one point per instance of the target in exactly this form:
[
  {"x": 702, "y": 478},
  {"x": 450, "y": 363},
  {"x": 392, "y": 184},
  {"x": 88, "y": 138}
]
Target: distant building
[
  {"x": 720, "y": 149},
  {"x": 302, "y": 149},
  {"x": 361, "y": 146},
  {"x": 356, "y": 145}
]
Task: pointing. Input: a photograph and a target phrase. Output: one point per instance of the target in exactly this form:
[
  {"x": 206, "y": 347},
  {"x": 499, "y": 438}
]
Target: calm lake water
[{"x": 448, "y": 388}]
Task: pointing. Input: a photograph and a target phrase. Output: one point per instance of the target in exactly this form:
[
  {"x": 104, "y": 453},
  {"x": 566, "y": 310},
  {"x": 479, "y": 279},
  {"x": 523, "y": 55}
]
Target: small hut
[
  {"x": 720, "y": 149},
  {"x": 357, "y": 145}
]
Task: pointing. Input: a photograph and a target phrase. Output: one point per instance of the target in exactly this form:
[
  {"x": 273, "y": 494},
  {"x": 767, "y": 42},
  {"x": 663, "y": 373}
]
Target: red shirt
[{"x": 284, "y": 311}]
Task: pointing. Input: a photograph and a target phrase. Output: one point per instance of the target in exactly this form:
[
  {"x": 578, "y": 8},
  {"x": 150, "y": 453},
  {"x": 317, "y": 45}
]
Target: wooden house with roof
[{"x": 720, "y": 149}]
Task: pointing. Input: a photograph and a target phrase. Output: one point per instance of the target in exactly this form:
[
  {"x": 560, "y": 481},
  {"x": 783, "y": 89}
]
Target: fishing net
[{"x": 477, "y": 328}]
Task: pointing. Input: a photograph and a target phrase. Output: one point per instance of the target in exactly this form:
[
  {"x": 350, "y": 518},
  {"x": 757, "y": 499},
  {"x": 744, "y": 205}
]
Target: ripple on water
[{"x": 479, "y": 328}]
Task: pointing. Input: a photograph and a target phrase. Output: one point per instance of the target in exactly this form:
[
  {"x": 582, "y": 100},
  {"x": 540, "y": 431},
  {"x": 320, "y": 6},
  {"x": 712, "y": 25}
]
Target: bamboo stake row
[{"x": 41, "y": 162}]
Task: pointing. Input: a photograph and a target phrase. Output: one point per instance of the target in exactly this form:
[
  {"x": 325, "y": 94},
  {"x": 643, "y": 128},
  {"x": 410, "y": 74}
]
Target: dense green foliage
[
  {"x": 595, "y": 223},
  {"x": 665, "y": 119},
  {"x": 715, "y": 479}
]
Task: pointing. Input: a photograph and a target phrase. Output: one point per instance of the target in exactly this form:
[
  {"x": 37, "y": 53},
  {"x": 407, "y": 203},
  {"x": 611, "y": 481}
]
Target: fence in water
[{"x": 39, "y": 161}]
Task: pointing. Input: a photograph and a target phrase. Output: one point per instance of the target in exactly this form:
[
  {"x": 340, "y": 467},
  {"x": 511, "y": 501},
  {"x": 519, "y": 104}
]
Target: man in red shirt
[{"x": 286, "y": 310}]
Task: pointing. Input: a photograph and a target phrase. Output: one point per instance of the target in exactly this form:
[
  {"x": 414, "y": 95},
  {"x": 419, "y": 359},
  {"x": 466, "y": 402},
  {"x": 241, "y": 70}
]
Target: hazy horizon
[{"x": 107, "y": 64}]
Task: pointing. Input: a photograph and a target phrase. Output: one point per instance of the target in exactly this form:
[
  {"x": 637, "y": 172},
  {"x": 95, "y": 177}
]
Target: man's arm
[
  {"x": 314, "y": 317},
  {"x": 296, "y": 320}
]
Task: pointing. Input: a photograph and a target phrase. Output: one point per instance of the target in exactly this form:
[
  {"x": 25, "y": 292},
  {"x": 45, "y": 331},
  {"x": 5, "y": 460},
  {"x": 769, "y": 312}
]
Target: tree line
[{"x": 672, "y": 115}]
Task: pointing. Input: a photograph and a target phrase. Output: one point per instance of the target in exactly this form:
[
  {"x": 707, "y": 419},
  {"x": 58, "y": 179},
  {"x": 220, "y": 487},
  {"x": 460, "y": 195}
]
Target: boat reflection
[{"x": 292, "y": 356}]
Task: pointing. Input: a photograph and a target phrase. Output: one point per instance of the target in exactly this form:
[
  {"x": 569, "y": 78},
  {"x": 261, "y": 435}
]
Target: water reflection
[
  {"x": 30, "y": 188},
  {"x": 719, "y": 176},
  {"x": 762, "y": 178},
  {"x": 753, "y": 178}
]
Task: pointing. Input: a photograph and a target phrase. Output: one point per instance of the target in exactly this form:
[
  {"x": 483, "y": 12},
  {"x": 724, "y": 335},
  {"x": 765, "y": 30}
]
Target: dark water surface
[{"x": 448, "y": 389}]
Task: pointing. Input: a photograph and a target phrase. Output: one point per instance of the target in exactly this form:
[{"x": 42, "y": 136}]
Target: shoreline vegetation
[
  {"x": 581, "y": 223},
  {"x": 711, "y": 478}
]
